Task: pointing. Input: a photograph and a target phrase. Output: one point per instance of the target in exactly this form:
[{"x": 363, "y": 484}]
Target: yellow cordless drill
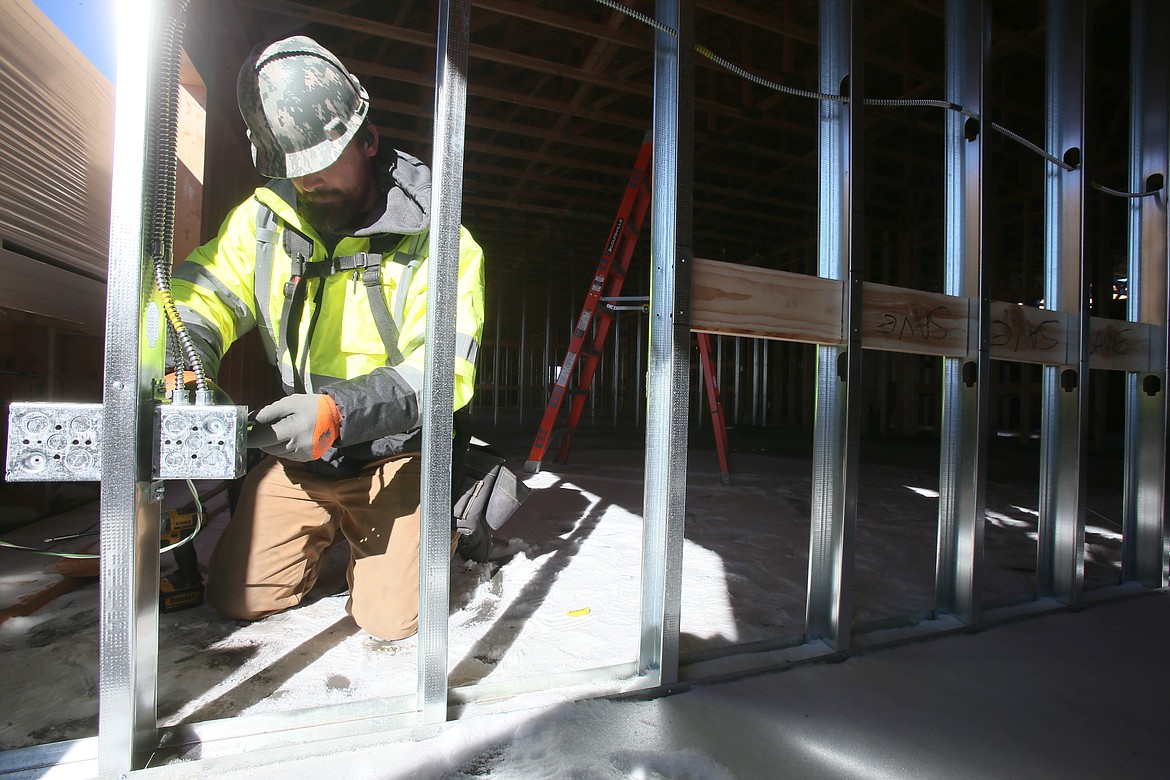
[{"x": 182, "y": 588}]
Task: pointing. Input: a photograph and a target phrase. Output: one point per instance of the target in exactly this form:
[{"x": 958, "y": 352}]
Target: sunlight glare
[
  {"x": 541, "y": 480},
  {"x": 1004, "y": 521}
]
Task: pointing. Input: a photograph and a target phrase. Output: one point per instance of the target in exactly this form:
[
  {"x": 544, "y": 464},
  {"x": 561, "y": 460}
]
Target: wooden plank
[
  {"x": 896, "y": 319},
  {"x": 1119, "y": 345},
  {"x": 190, "y": 151},
  {"x": 740, "y": 300},
  {"x": 1026, "y": 334},
  {"x": 1030, "y": 335}
]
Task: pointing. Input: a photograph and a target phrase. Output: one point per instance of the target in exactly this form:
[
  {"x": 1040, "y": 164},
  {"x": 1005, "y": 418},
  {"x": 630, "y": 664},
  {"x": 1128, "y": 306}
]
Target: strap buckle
[
  {"x": 299, "y": 265},
  {"x": 371, "y": 263}
]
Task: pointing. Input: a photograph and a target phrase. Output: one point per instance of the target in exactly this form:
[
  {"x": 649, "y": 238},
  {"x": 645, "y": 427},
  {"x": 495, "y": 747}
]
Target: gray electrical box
[
  {"x": 50, "y": 442},
  {"x": 58, "y": 442},
  {"x": 200, "y": 442}
]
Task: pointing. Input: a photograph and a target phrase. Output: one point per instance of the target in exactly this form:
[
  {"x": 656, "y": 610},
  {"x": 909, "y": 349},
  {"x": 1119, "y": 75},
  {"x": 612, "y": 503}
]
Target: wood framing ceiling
[{"x": 560, "y": 96}]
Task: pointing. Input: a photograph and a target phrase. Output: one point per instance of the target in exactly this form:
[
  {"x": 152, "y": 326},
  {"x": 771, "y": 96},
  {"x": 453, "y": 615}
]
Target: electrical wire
[
  {"x": 823, "y": 96},
  {"x": 641, "y": 17},
  {"x": 162, "y": 164},
  {"x": 1120, "y": 194},
  {"x": 199, "y": 519},
  {"x": 1038, "y": 150},
  {"x": 972, "y": 115},
  {"x": 51, "y": 553},
  {"x": 731, "y": 66},
  {"x": 1015, "y": 137},
  {"x": 89, "y": 530},
  {"x": 763, "y": 82}
]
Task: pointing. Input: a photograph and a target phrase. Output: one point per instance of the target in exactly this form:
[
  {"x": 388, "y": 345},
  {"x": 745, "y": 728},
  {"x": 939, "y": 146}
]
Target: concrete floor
[
  {"x": 1066, "y": 694},
  {"x": 1070, "y": 694}
]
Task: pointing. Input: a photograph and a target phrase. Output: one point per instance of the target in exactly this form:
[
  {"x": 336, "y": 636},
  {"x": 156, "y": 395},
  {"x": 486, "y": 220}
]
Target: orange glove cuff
[{"x": 328, "y": 427}]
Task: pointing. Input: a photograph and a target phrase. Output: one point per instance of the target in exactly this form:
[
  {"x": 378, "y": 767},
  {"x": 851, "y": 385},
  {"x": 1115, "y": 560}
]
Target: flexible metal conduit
[
  {"x": 162, "y": 165},
  {"x": 1153, "y": 185}
]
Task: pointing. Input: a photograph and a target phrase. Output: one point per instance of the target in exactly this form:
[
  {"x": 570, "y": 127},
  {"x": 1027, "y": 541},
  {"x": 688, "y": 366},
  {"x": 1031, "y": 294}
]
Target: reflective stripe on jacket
[{"x": 222, "y": 294}]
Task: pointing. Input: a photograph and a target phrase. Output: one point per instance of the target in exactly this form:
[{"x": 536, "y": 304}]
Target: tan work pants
[{"x": 270, "y": 554}]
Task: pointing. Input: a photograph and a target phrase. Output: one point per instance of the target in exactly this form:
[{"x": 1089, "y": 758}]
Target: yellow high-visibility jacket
[{"x": 222, "y": 291}]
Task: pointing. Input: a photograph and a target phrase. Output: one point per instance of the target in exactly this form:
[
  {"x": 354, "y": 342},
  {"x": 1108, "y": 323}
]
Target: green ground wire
[{"x": 90, "y": 556}]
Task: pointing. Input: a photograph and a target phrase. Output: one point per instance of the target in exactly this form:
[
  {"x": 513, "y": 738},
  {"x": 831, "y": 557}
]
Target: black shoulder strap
[{"x": 299, "y": 249}]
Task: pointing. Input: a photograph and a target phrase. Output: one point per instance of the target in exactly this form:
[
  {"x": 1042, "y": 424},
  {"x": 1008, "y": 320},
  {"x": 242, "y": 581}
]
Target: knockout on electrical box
[{"x": 55, "y": 442}]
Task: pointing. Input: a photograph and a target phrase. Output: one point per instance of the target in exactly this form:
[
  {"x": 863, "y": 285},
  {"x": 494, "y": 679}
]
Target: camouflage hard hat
[{"x": 301, "y": 105}]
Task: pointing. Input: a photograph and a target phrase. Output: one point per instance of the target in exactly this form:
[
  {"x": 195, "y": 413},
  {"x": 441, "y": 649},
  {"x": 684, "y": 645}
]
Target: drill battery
[{"x": 182, "y": 588}]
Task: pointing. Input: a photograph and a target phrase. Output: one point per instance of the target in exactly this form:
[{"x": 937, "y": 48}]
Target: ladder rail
[
  {"x": 636, "y": 189},
  {"x": 715, "y": 401},
  {"x": 603, "y": 322},
  {"x": 608, "y": 279}
]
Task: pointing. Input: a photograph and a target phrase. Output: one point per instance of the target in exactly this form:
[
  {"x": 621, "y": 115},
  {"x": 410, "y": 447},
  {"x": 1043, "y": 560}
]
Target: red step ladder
[
  {"x": 715, "y": 401},
  {"x": 607, "y": 284}
]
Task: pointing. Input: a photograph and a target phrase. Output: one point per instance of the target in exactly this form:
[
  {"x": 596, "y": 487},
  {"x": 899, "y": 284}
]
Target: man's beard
[{"x": 336, "y": 213}]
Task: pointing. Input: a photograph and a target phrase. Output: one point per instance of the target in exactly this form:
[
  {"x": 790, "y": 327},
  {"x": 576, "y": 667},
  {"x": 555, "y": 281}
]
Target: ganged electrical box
[{"x": 62, "y": 442}]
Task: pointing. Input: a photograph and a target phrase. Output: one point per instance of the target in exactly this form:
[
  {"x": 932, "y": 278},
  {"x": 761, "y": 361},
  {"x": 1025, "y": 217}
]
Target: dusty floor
[
  {"x": 567, "y": 600},
  {"x": 1069, "y": 696}
]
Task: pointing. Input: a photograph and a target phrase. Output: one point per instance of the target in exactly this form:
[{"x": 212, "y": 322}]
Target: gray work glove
[{"x": 298, "y": 427}]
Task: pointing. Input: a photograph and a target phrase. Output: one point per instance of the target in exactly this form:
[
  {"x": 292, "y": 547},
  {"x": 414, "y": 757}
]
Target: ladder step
[{"x": 611, "y": 271}]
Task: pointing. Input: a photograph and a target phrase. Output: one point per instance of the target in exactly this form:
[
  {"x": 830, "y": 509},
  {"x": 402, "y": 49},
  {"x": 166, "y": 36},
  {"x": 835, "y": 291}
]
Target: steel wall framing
[
  {"x": 130, "y": 507},
  {"x": 966, "y": 379},
  {"x": 439, "y": 387},
  {"x": 1060, "y": 564},
  {"x": 837, "y": 433},
  {"x": 1144, "y": 527},
  {"x": 668, "y": 377},
  {"x": 130, "y": 504}
]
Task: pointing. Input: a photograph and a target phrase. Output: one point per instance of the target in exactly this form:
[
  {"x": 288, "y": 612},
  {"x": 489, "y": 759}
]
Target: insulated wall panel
[{"x": 56, "y": 143}]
